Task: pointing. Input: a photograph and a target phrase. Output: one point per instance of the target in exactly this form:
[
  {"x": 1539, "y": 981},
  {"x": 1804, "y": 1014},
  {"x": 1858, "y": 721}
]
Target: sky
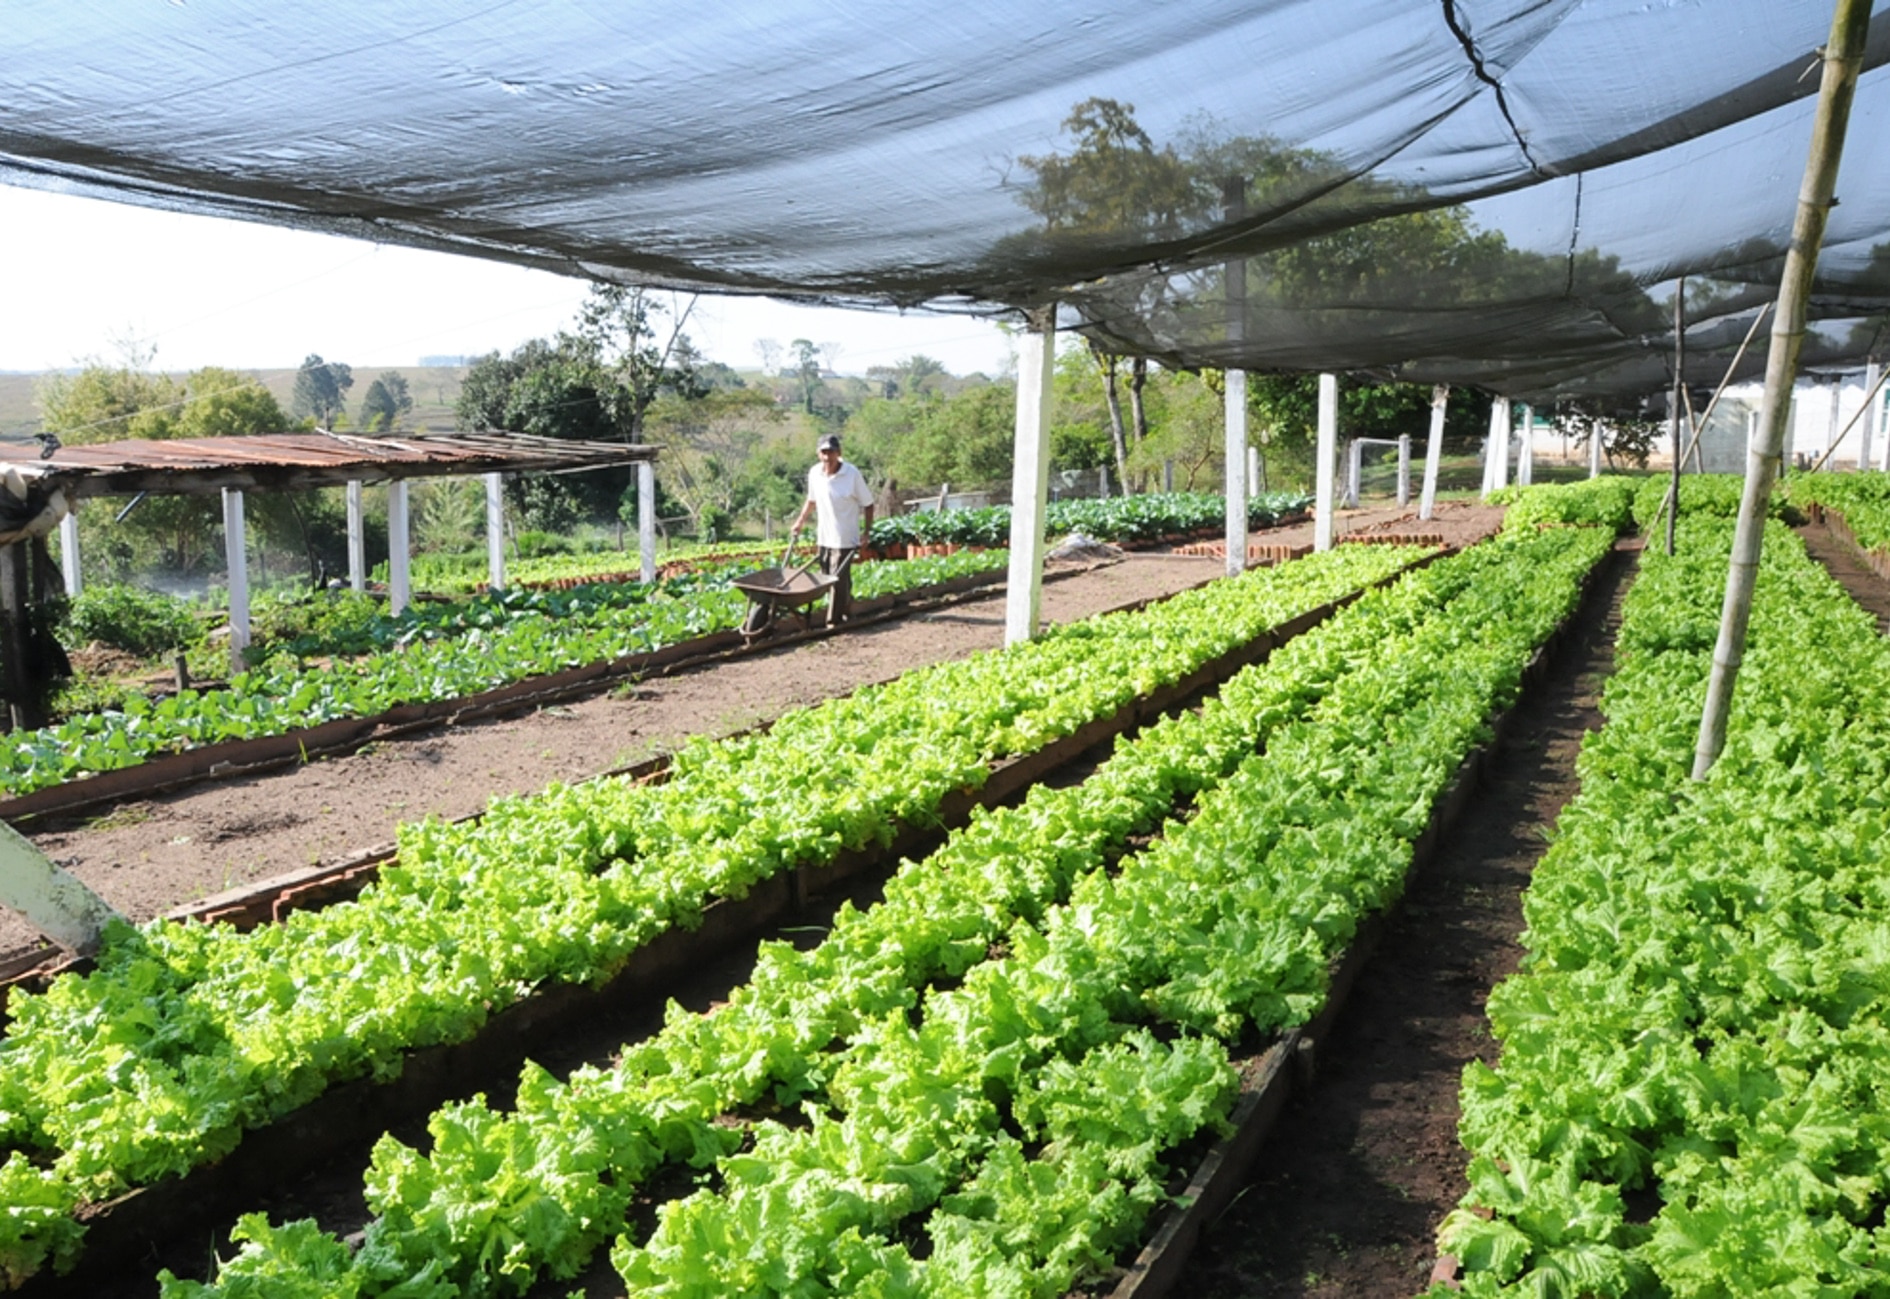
[{"x": 84, "y": 277}]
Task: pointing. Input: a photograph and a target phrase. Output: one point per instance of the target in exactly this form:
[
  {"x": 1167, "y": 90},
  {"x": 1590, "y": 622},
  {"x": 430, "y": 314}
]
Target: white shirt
[{"x": 839, "y": 501}]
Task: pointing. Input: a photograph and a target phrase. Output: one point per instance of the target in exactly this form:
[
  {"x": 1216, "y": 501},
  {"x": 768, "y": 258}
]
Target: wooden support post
[
  {"x": 646, "y": 520},
  {"x": 1030, "y": 476},
  {"x": 1676, "y": 401},
  {"x": 357, "y": 539},
  {"x": 1235, "y": 415},
  {"x": 495, "y": 532},
  {"x": 69, "y": 554},
  {"x": 16, "y": 586},
  {"x": 1526, "y": 450},
  {"x": 399, "y": 580},
  {"x": 236, "y": 555},
  {"x": 1325, "y": 466},
  {"x": 1404, "y": 470},
  {"x": 1843, "y": 57},
  {"x": 1433, "y": 449},
  {"x": 53, "y": 901}
]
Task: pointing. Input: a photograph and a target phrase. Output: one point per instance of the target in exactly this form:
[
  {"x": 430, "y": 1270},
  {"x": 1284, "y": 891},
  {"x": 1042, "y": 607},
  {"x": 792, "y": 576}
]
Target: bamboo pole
[
  {"x": 1843, "y": 57},
  {"x": 1675, "y": 402}
]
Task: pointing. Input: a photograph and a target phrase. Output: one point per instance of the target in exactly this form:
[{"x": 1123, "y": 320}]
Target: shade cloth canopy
[{"x": 1499, "y": 192}]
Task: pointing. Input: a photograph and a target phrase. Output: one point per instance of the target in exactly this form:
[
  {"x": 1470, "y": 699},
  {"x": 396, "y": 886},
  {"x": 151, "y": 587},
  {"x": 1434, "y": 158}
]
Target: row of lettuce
[
  {"x": 185, "y": 1035},
  {"x": 1862, "y": 498},
  {"x": 1143, "y": 518},
  {"x": 433, "y": 656},
  {"x": 350, "y": 660},
  {"x": 1153, "y": 517},
  {"x": 1692, "y": 1096},
  {"x": 977, "y": 1085}
]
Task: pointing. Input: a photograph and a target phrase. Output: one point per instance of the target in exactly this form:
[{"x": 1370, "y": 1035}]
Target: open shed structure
[{"x": 233, "y": 466}]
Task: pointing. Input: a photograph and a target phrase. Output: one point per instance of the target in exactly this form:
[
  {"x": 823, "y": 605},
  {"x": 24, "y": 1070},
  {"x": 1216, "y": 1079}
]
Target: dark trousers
[{"x": 837, "y": 562}]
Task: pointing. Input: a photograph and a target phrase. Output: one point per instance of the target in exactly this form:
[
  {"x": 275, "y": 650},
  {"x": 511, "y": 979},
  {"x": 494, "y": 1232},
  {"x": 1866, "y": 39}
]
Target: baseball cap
[{"x": 828, "y": 442}]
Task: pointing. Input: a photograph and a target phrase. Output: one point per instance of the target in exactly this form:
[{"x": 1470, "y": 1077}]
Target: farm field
[
  {"x": 1526, "y": 580},
  {"x": 1344, "y": 1202}
]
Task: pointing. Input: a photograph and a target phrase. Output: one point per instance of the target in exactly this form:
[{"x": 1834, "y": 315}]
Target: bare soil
[{"x": 150, "y": 856}]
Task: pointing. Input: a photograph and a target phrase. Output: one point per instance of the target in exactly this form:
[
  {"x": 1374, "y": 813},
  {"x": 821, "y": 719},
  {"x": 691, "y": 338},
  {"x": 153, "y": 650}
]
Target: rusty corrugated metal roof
[{"x": 288, "y": 461}]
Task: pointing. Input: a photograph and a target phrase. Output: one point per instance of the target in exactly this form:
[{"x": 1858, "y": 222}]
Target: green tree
[
  {"x": 320, "y": 391},
  {"x": 103, "y": 402},
  {"x": 806, "y": 370},
  {"x": 222, "y": 403},
  {"x": 594, "y": 383},
  {"x": 706, "y": 444},
  {"x": 385, "y": 402},
  {"x": 637, "y": 357},
  {"x": 1114, "y": 184}
]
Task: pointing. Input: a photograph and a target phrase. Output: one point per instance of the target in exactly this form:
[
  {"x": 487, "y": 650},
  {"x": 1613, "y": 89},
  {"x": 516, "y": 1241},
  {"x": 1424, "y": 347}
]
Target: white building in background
[{"x": 1819, "y": 416}]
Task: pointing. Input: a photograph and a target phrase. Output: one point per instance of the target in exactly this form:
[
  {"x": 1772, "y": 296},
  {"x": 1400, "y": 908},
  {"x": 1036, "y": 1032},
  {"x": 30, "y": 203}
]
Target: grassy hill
[{"x": 435, "y": 388}]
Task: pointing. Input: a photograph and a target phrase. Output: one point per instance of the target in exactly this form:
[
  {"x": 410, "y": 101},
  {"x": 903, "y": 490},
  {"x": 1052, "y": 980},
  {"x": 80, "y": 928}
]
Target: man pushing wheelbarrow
[{"x": 838, "y": 497}]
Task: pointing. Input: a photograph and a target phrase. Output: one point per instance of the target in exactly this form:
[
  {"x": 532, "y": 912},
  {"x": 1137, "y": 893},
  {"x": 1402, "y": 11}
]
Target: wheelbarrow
[{"x": 774, "y": 591}]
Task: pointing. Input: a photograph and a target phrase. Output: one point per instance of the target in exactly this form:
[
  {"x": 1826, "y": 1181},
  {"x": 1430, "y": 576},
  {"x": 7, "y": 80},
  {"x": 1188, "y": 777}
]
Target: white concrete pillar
[
  {"x": 1526, "y": 456},
  {"x": 1831, "y": 424},
  {"x": 1404, "y": 470},
  {"x": 1234, "y": 415},
  {"x": 1433, "y": 449},
  {"x": 1326, "y": 455},
  {"x": 1253, "y": 470},
  {"x": 1354, "y": 470},
  {"x": 236, "y": 556},
  {"x": 399, "y": 582},
  {"x": 1498, "y": 477},
  {"x": 646, "y": 520},
  {"x": 1030, "y": 476},
  {"x": 495, "y": 532},
  {"x": 69, "y": 553},
  {"x": 1880, "y": 411},
  {"x": 1594, "y": 452},
  {"x": 1868, "y": 422},
  {"x": 357, "y": 540}
]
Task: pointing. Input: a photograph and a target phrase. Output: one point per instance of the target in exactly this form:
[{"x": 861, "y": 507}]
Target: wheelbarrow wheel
[{"x": 760, "y": 615}]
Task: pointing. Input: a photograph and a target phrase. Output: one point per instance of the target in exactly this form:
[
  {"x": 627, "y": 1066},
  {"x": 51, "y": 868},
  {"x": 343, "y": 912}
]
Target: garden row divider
[
  {"x": 1267, "y": 1080},
  {"x": 230, "y": 759},
  {"x": 1838, "y": 526},
  {"x": 123, "y": 1230}
]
